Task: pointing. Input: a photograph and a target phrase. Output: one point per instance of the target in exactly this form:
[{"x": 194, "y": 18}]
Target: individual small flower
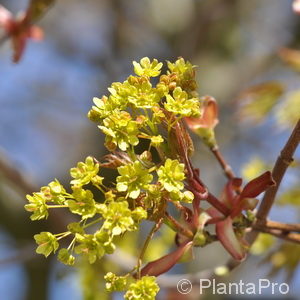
[
  {"x": 47, "y": 243},
  {"x": 106, "y": 240},
  {"x": 114, "y": 282},
  {"x": 156, "y": 140},
  {"x": 85, "y": 172},
  {"x": 146, "y": 288},
  {"x": 37, "y": 205},
  {"x": 185, "y": 196},
  {"x": 66, "y": 257},
  {"x": 75, "y": 227},
  {"x": 180, "y": 104},
  {"x": 120, "y": 130},
  {"x": 171, "y": 175},
  {"x": 180, "y": 66},
  {"x": 54, "y": 192},
  {"x": 141, "y": 93},
  {"x": 138, "y": 214},
  {"x": 205, "y": 124},
  {"x": 133, "y": 178},
  {"x": 90, "y": 247},
  {"x": 119, "y": 218},
  {"x": 147, "y": 68},
  {"x": 181, "y": 74},
  {"x": 83, "y": 203}
]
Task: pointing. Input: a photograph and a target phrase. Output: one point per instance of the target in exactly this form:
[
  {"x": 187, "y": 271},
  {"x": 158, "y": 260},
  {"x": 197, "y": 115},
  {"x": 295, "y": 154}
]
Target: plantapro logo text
[{"x": 242, "y": 288}]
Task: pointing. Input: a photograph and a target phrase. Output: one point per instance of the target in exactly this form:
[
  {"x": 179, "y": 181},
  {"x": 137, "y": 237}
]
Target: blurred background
[{"x": 88, "y": 44}]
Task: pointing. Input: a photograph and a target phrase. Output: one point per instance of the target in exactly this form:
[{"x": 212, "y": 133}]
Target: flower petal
[{"x": 230, "y": 242}]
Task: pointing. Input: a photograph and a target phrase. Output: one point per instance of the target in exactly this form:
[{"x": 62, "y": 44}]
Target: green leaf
[
  {"x": 257, "y": 101},
  {"x": 290, "y": 197},
  {"x": 288, "y": 113},
  {"x": 37, "y": 8}
]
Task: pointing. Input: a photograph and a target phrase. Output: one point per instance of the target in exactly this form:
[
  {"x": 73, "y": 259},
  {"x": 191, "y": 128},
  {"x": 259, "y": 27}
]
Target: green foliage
[
  {"x": 253, "y": 168},
  {"x": 259, "y": 100},
  {"x": 290, "y": 197},
  {"x": 285, "y": 257},
  {"x": 288, "y": 113},
  {"x": 262, "y": 244}
]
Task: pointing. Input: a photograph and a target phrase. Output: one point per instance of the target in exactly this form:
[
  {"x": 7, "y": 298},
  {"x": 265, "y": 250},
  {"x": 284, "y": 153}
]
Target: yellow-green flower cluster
[
  {"x": 135, "y": 107},
  {"x": 146, "y": 288},
  {"x": 114, "y": 215}
]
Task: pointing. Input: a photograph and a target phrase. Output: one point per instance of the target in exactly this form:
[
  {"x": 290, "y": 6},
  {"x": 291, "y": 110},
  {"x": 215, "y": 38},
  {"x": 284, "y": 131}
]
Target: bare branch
[
  {"x": 278, "y": 225},
  {"x": 283, "y": 161},
  {"x": 288, "y": 236}
]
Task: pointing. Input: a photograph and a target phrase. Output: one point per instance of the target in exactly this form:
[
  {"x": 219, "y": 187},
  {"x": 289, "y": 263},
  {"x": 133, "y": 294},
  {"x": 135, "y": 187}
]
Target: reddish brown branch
[
  {"x": 179, "y": 227},
  {"x": 279, "y": 226},
  {"x": 211, "y": 199},
  {"x": 225, "y": 166},
  {"x": 288, "y": 236},
  {"x": 283, "y": 161}
]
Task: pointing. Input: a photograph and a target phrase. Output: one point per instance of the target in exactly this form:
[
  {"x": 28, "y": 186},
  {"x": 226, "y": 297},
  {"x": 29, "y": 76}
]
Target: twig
[
  {"x": 283, "y": 161},
  {"x": 146, "y": 244},
  {"x": 14, "y": 176},
  {"x": 291, "y": 237},
  {"x": 23, "y": 255},
  {"x": 278, "y": 225},
  {"x": 179, "y": 227},
  {"x": 211, "y": 199},
  {"x": 225, "y": 166}
]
